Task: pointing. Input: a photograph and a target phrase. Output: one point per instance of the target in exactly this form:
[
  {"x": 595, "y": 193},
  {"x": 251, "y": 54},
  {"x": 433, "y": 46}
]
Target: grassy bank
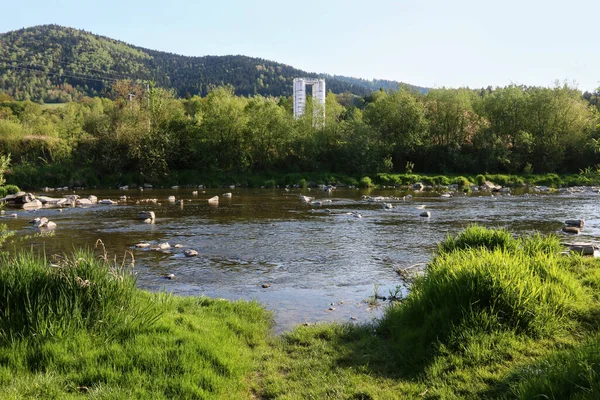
[
  {"x": 56, "y": 175},
  {"x": 494, "y": 317},
  {"x": 79, "y": 327}
]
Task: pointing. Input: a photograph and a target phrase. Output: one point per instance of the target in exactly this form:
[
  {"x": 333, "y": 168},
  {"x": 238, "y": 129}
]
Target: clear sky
[{"x": 431, "y": 43}]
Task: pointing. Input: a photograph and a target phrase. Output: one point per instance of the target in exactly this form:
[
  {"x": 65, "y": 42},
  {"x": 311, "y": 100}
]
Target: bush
[
  {"x": 409, "y": 179},
  {"x": 461, "y": 181},
  {"x": 552, "y": 180},
  {"x": 428, "y": 180},
  {"x": 366, "y": 182},
  {"x": 480, "y": 179},
  {"x": 271, "y": 183},
  {"x": 442, "y": 180}
]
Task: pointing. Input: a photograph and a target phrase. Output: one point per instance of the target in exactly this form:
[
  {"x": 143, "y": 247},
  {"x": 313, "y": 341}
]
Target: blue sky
[{"x": 432, "y": 43}]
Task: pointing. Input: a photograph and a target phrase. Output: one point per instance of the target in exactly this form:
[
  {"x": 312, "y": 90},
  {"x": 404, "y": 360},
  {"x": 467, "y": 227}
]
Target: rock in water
[
  {"x": 425, "y": 214},
  {"x": 571, "y": 229},
  {"x": 146, "y": 215},
  {"x": 190, "y": 253},
  {"x": 578, "y": 223}
]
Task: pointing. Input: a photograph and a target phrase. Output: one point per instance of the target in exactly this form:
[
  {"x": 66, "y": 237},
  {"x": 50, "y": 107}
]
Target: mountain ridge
[{"x": 55, "y": 63}]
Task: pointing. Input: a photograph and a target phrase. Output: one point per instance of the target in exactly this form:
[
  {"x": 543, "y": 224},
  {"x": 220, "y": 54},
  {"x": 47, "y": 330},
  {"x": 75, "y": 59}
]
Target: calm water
[{"x": 313, "y": 259}]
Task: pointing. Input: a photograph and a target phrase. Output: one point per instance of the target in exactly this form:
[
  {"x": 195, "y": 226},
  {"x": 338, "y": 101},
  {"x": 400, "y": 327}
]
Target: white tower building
[{"x": 318, "y": 93}]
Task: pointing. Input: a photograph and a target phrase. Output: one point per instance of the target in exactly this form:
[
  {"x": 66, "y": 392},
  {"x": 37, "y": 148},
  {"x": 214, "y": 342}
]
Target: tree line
[{"x": 150, "y": 134}]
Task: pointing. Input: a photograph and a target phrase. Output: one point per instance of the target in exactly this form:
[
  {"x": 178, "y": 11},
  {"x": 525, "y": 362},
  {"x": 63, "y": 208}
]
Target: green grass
[
  {"x": 61, "y": 337},
  {"x": 494, "y": 317},
  {"x": 504, "y": 321}
]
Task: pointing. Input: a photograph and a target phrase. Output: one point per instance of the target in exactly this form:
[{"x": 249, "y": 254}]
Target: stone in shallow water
[{"x": 190, "y": 253}]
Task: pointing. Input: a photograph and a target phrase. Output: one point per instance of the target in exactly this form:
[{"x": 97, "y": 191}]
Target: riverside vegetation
[
  {"x": 493, "y": 317},
  {"x": 140, "y": 136}
]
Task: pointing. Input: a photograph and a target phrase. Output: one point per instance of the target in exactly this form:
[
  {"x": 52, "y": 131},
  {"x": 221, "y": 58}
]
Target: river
[{"x": 319, "y": 262}]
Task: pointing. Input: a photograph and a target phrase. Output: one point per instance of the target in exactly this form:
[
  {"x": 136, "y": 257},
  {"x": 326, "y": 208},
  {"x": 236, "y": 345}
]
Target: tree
[{"x": 399, "y": 120}]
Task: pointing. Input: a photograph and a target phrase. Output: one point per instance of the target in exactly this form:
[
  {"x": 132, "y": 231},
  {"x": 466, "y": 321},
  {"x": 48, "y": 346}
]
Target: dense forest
[
  {"x": 138, "y": 135},
  {"x": 51, "y": 63}
]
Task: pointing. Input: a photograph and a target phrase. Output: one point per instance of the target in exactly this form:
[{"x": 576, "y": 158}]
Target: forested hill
[{"x": 54, "y": 63}]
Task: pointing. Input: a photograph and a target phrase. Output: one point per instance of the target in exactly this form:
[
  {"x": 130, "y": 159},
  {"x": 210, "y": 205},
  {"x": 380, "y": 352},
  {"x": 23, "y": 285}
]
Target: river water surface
[{"x": 321, "y": 263}]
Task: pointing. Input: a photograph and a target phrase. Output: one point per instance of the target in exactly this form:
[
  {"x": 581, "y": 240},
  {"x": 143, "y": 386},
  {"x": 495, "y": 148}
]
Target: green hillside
[{"x": 58, "y": 64}]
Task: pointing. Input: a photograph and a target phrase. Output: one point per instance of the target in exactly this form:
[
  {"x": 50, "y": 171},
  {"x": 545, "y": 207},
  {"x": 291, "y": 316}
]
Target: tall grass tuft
[
  {"x": 481, "y": 282},
  {"x": 39, "y": 300},
  {"x": 476, "y": 236}
]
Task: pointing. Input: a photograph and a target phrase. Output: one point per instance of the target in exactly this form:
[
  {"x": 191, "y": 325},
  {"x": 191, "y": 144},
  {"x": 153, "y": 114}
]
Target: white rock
[
  {"x": 50, "y": 225},
  {"x": 226, "y": 194},
  {"x": 164, "y": 246},
  {"x": 146, "y": 215},
  {"x": 142, "y": 245},
  {"x": 40, "y": 222},
  {"x": 171, "y": 199},
  {"x": 214, "y": 199}
]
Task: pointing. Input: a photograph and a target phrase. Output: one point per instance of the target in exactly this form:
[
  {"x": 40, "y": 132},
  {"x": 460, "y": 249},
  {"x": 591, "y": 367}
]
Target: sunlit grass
[
  {"x": 495, "y": 316},
  {"x": 81, "y": 327}
]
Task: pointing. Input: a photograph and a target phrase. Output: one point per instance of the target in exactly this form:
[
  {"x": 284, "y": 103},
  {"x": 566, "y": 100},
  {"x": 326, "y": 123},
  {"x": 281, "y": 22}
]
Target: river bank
[
  {"x": 58, "y": 176},
  {"x": 532, "y": 332},
  {"x": 312, "y": 256}
]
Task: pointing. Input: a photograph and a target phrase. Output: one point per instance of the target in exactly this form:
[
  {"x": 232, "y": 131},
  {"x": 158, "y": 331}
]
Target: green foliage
[
  {"x": 11, "y": 189},
  {"x": 366, "y": 182},
  {"x": 271, "y": 183},
  {"x": 4, "y": 164},
  {"x": 461, "y": 181},
  {"x": 480, "y": 179},
  {"x": 85, "y": 54}
]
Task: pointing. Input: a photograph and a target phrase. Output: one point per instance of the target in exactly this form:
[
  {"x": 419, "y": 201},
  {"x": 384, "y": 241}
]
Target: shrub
[
  {"x": 408, "y": 179},
  {"x": 480, "y": 179},
  {"x": 461, "y": 181},
  {"x": 366, "y": 182},
  {"x": 271, "y": 183},
  {"x": 428, "y": 180},
  {"x": 441, "y": 180}
]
